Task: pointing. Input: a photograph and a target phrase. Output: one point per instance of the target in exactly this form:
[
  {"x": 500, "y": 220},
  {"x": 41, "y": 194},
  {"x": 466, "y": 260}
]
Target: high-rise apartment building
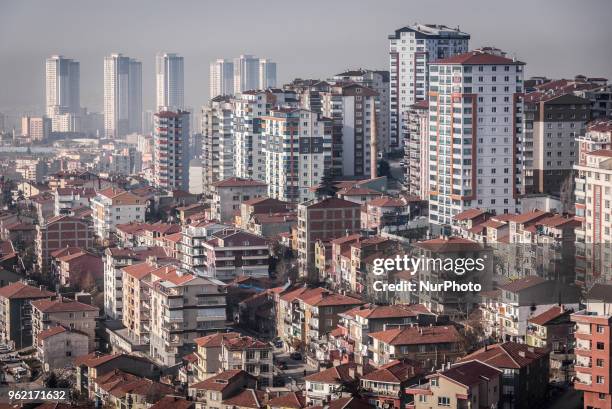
[
  {"x": 416, "y": 148},
  {"x": 63, "y": 97},
  {"x": 122, "y": 96},
  {"x": 593, "y": 208},
  {"x": 249, "y": 108},
  {"x": 551, "y": 123},
  {"x": 218, "y": 142},
  {"x": 411, "y": 48},
  {"x": 379, "y": 82},
  {"x": 246, "y": 73},
  {"x": 267, "y": 74},
  {"x": 221, "y": 79},
  {"x": 171, "y": 150},
  {"x": 170, "y": 80},
  {"x": 593, "y": 339},
  {"x": 297, "y": 147},
  {"x": 475, "y": 109},
  {"x": 351, "y": 107}
]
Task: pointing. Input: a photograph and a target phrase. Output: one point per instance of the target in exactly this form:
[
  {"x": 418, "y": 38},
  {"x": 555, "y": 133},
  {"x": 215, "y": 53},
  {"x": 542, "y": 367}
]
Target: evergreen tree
[{"x": 327, "y": 187}]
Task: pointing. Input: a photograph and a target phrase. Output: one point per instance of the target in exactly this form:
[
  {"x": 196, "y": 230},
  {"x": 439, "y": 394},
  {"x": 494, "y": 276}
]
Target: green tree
[{"x": 326, "y": 188}]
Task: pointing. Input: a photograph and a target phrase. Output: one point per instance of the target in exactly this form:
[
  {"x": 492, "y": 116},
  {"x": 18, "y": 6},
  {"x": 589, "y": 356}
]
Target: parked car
[
  {"x": 296, "y": 356},
  {"x": 282, "y": 365}
]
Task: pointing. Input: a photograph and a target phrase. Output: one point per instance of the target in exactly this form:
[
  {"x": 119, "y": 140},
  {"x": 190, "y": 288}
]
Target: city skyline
[{"x": 361, "y": 43}]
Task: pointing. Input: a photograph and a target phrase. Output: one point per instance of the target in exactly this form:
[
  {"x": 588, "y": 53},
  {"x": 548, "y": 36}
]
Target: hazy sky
[{"x": 313, "y": 38}]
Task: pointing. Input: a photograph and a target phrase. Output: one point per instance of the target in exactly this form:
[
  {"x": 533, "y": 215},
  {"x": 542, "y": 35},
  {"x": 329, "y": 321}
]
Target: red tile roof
[
  {"x": 549, "y": 315},
  {"x": 470, "y": 373},
  {"x": 222, "y": 380},
  {"x": 247, "y": 398},
  {"x": 510, "y": 355},
  {"x": 333, "y": 203},
  {"x": 522, "y": 283},
  {"x": 42, "y": 335},
  {"x": 449, "y": 245},
  {"x": 173, "y": 402},
  {"x": 62, "y": 305},
  {"x": 215, "y": 340},
  {"x": 418, "y": 335},
  {"x": 20, "y": 290},
  {"x": 345, "y": 403},
  {"x": 293, "y": 400},
  {"x": 238, "y": 182},
  {"x": 393, "y": 372},
  {"x": 478, "y": 58},
  {"x": 335, "y": 375}
]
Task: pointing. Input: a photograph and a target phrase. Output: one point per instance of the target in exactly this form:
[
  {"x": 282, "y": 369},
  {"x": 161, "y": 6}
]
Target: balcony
[{"x": 584, "y": 378}]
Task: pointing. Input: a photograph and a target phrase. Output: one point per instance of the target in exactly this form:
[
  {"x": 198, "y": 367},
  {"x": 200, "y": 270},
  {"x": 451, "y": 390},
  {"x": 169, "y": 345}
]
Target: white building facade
[
  {"x": 63, "y": 98},
  {"x": 170, "y": 81},
  {"x": 474, "y": 117},
  {"x": 411, "y": 48}
]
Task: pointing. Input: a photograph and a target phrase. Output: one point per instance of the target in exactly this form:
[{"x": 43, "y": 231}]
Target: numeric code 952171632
[{"x": 36, "y": 395}]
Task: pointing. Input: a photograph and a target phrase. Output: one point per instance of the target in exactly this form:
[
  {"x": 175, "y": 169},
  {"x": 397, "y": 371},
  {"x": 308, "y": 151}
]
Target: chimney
[{"x": 522, "y": 354}]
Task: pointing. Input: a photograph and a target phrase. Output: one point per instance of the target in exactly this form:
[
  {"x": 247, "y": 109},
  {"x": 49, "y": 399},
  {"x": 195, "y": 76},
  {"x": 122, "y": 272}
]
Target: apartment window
[
  {"x": 600, "y": 329},
  {"x": 434, "y": 382},
  {"x": 600, "y": 379},
  {"x": 443, "y": 401},
  {"x": 599, "y": 362},
  {"x": 601, "y": 346}
]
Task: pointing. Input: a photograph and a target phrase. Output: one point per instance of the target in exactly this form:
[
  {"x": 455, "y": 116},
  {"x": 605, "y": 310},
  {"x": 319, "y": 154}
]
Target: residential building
[
  {"x": 170, "y": 81},
  {"x": 67, "y": 313},
  {"x": 551, "y": 125},
  {"x": 352, "y": 108},
  {"x": 248, "y": 109},
  {"x": 60, "y": 232},
  {"x": 193, "y": 238},
  {"x": 328, "y": 385},
  {"x": 76, "y": 268},
  {"x": 120, "y": 389},
  {"x": 411, "y": 49},
  {"x": 221, "y": 78},
  {"x": 182, "y": 307},
  {"x": 208, "y": 354},
  {"x": 305, "y": 314},
  {"x": 16, "y": 313},
  {"x": 94, "y": 365},
  {"x": 471, "y": 384},
  {"x": 171, "y": 150},
  {"x": 416, "y": 146},
  {"x": 297, "y": 145},
  {"x": 63, "y": 95},
  {"x": 232, "y": 253},
  {"x": 593, "y": 197},
  {"x": 323, "y": 220},
  {"x": 520, "y": 300},
  {"x": 213, "y": 391},
  {"x": 37, "y": 128},
  {"x": 593, "y": 340},
  {"x": 113, "y": 206},
  {"x": 525, "y": 373},
  {"x": 365, "y": 319},
  {"x": 114, "y": 261},
  {"x": 68, "y": 198},
  {"x": 122, "y": 96},
  {"x": 56, "y": 347},
  {"x": 386, "y": 386},
  {"x": 428, "y": 346},
  {"x": 267, "y": 217},
  {"x": 228, "y": 194},
  {"x": 379, "y": 82},
  {"x": 250, "y": 355},
  {"x": 218, "y": 144},
  {"x": 474, "y": 112}
]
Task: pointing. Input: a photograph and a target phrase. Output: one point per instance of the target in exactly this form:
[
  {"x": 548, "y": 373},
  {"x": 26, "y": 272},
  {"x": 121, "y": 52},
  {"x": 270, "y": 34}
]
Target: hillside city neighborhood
[{"x": 229, "y": 256}]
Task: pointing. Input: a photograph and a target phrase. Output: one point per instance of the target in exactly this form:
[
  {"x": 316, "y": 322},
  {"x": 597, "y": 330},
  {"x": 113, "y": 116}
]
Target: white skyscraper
[
  {"x": 63, "y": 98},
  {"x": 122, "y": 96},
  {"x": 267, "y": 74},
  {"x": 475, "y": 107},
  {"x": 411, "y": 48},
  {"x": 246, "y": 73},
  {"x": 170, "y": 80},
  {"x": 221, "y": 78}
]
